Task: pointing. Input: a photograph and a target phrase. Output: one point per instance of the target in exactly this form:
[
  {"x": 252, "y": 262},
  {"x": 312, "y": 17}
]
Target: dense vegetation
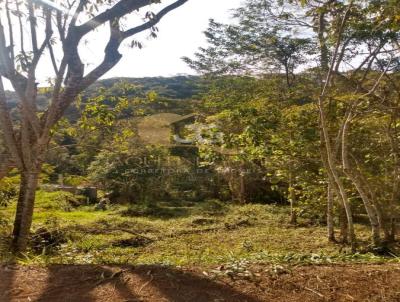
[{"x": 292, "y": 127}]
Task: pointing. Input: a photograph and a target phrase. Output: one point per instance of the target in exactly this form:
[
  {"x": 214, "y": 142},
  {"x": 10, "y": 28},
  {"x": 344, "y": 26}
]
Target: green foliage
[
  {"x": 271, "y": 124},
  {"x": 257, "y": 133},
  {"x": 46, "y": 173},
  {"x": 136, "y": 174},
  {"x": 172, "y": 88},
  {"x": 153, "y": 209},
  {"x": 8, "y": 189},
  {"x": 55, "y": 201},
  {"x": 212, "y": 207},
  {"x": 75, "y": 180},
  {"x": 91, "y": 238},
  {"x": 108, "y": 113},
  {"x": 256, "y": 42}
]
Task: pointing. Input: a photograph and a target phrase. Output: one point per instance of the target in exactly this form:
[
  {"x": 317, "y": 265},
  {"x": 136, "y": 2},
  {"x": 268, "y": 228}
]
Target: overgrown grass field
[{"x": 176, "y": 234}]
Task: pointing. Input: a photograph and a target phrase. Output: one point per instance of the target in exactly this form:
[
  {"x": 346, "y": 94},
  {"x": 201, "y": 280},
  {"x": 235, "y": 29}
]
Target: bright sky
[{"x": 181, "y": 33}]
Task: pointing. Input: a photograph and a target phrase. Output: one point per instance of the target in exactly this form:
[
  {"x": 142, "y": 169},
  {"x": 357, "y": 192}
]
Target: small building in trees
[{"x": 168, "y": 129}]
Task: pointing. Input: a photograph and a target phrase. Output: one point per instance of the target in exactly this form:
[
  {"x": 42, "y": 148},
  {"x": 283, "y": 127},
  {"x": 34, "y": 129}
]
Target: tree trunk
[
  {"x": 390, "y": 215},
  {"x": 231, "y": 185},
  {"x": 293, "y": 212},
  {"x": 323, "y": 48},
  {"x": 329, "y": 215},
  {"x": 25, "y": 205},
  {"x": 337, "y": 185},
  {"x": 381, "y": 213},
  {"x": 369, "y": 207},
  {"x": 292, "y": 199},
  {"x": 357, "y": 180},
  {"x": 394, "y": 146},
  {"x": 393, "y": 230},
  {"x": 344, "y": 229},
  {"x": 385, "y": 223},
  {"x": 242, "y": 189}
]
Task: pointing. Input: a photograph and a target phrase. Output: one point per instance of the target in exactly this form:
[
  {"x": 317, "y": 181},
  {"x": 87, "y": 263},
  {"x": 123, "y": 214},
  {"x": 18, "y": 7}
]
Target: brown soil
[{"x": 151, "y": 283}]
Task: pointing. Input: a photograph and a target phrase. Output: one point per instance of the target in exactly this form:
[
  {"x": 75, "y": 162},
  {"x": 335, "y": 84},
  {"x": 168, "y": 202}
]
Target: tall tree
[
  {"x": 254, "y": 44},
  {"x": 357, "y": 43},
  {"x": 33, "y": 31}
]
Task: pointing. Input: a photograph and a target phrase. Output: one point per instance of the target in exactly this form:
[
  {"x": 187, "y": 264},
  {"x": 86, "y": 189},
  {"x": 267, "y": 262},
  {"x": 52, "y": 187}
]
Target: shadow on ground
[{"x": 88, "y": 283}]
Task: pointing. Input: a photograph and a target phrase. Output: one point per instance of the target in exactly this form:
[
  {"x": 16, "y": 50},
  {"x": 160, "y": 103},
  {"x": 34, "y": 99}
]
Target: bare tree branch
[
  {"x": 112, "y": 56},
  {"x": 7, "y": 127},
  {"x": 122, "y": 8},
  {"x": 52, "y": 58},
  {"x": 11, "y": 33},
  {"x": 32, "y": 22},
  {"x": 155, "y": 19}
]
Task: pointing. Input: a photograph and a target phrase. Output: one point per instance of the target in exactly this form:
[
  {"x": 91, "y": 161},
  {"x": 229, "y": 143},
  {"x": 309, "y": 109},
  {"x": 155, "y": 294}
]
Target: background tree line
[
  {"x": 336, "y": 61},
  {"x": 298, "y": 102}
]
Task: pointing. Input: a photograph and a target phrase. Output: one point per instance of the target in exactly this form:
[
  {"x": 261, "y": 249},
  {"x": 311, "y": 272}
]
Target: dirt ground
[{"x": 88, "y": 283}]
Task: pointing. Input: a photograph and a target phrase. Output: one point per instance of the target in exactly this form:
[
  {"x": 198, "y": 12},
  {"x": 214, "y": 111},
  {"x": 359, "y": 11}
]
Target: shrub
[
  {"x": 148, "y": 209},
  {"x": 212, "y": 207},
  {"x": 59, "y": 200},
  {"x": 48, "y": 238},
  {"x": 75, "y": 180},
  {"x": 8, "y": 190}
]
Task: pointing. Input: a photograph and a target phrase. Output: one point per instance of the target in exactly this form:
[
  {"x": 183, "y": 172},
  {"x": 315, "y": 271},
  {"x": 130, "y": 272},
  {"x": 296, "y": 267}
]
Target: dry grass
[{"x": 196, "y": 236}]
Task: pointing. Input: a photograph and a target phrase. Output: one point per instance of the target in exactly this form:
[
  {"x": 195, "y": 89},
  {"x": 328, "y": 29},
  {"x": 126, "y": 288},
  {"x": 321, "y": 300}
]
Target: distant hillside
[
  {"x": 172, "y": 89},
  {"x": 178, "y": 87}
]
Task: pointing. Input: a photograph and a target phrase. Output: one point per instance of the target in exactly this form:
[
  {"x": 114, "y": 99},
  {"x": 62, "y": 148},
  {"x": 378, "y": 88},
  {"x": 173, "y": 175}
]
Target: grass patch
[
  {"x": 196, "y": 234},
  {"x": 154, "y": 210}
]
